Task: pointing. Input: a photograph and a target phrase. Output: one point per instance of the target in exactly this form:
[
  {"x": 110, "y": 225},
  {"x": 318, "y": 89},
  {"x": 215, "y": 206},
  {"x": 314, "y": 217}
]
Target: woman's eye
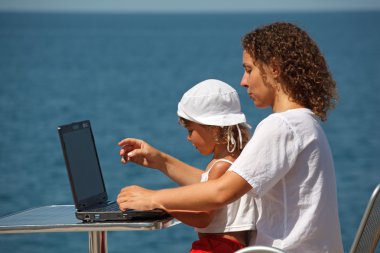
[{"x": 190, "y": 132}]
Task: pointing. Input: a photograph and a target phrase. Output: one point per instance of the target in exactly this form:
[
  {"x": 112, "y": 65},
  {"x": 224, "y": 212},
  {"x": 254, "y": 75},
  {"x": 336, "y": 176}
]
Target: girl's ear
[{"x": 215, "y": 132}]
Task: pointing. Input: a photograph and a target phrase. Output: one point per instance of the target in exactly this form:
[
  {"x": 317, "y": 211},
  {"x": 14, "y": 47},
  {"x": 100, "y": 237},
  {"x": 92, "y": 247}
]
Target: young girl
[
  {"x": 287, "y": 164},
  {"x": 211, "y": 113}
]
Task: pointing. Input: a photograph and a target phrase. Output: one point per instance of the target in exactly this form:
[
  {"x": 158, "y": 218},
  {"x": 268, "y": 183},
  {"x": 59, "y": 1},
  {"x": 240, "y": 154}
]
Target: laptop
[{"x": 86, "y": 179}]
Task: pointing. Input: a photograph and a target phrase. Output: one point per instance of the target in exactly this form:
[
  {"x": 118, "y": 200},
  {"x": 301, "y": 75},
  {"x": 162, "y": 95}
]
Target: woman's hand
[
  {"x": 140, "y": 152},
  {"x": 135, "y": 197}
]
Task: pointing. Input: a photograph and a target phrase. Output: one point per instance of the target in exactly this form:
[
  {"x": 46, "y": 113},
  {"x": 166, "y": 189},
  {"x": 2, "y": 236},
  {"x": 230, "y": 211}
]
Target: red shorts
[{"x": 215, "y": 244}]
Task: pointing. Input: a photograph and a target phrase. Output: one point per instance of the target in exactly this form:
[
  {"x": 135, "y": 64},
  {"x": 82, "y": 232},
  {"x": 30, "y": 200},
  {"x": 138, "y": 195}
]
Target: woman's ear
[{"x": 275, "y": 68}]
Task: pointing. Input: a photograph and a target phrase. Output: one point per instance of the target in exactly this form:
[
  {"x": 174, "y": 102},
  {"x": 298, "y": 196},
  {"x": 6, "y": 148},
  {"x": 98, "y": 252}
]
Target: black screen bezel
[{"x": 100, "y": 198}]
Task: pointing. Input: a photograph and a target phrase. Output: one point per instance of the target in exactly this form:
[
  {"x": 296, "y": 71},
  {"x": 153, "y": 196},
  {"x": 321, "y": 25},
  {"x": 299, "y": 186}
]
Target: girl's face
[
  {"x": 260, "y": 91},
  {"x": 201, "y": 137}
]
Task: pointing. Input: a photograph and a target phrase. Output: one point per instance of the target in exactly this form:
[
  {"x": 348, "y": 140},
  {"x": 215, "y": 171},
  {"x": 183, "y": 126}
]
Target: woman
[{"x": 287, "y": 164}]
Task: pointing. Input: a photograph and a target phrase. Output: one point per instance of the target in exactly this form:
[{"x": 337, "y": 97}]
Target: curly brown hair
[
  {"x": 223, "y": 133},
  {"x": 304, "y": 71}
]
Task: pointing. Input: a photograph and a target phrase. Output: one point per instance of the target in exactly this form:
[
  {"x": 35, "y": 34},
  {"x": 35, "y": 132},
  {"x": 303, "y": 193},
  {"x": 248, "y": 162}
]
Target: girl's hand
[{"x": 140, "y": 152}]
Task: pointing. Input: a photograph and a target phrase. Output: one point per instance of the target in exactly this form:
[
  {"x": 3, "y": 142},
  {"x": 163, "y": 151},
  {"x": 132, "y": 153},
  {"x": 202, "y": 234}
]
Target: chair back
[
  {"x": 368, "y": 234},
  {"x": 259, "y": 249}
]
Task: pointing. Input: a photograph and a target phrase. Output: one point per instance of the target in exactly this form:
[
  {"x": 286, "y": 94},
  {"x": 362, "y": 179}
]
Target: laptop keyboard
[{"x": 111, "y": 207}]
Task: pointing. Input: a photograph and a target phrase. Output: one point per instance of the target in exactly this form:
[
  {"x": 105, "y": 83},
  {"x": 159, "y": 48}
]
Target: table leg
[{"x": 97, "y": 242}]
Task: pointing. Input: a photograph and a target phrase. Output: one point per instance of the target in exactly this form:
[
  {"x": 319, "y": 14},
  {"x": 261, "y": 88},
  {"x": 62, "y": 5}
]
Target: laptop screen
[{"x": 82, "y": 161}]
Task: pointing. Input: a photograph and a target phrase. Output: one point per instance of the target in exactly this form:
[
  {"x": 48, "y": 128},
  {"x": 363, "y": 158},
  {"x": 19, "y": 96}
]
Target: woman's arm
[
  {"x": 140, "y": 152},
  {"x": 206, "y": 196}
]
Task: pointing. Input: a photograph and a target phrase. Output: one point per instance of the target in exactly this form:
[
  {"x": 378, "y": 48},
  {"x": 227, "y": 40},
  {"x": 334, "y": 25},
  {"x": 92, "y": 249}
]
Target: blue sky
[{"x": 187, "y": 6}]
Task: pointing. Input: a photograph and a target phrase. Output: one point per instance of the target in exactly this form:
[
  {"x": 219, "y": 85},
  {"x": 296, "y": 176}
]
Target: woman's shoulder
[
  {"x": 275, "y": 127},
  {"x": 300, "y": 125},
  {"x": 288, "y": 119},
  {"x": 273, "y": 122}
]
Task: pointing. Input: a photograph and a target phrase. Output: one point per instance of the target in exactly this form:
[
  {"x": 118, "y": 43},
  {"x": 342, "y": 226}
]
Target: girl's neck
[{"x": 220, "y": 152}]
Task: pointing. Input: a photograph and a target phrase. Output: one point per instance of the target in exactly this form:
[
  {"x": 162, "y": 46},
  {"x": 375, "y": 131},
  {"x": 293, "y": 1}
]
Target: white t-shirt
[
  {"x": 289, "y": 165},
  {"x": 237, "y": 216}
]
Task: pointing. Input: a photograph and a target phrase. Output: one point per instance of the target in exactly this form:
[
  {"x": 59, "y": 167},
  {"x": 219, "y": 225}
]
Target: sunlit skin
[
  {"x": 261, "y": 93},
  {"x": 266, "y": 92},
  {"x": 201, "y": 138}
]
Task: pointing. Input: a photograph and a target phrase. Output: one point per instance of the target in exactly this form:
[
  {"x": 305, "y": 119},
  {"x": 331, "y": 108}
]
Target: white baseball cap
[{"x": 211, "y": 102}]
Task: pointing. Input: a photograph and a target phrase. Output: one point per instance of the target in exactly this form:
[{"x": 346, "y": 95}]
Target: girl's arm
[
  {"x": 140, "y": 152},
  {"x": 194, "y": 218},
  {"x": 202, "y": 219}
]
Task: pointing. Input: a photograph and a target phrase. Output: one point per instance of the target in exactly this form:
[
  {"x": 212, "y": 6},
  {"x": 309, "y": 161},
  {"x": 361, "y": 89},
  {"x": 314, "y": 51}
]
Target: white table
[{"x": 61, "y": 218}]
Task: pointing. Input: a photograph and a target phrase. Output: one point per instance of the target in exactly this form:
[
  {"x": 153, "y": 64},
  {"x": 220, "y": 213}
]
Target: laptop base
[{"x": 130, "y": 215}]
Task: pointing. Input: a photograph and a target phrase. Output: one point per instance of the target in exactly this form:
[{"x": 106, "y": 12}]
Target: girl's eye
[{"x": 190, "y": 131}]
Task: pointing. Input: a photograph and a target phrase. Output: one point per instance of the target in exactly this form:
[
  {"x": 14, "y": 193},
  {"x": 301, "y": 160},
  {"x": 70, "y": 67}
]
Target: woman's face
[
  {"x": 201, "y": 137},
  {"x": 259, "y": 90}
]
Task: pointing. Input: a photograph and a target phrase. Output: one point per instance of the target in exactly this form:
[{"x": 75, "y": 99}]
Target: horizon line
[{"x": 264, "y": 11}]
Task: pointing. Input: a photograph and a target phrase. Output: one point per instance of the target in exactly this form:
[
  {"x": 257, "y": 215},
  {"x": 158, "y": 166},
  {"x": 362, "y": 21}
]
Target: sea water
[{"x": 127, "y": 72}]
